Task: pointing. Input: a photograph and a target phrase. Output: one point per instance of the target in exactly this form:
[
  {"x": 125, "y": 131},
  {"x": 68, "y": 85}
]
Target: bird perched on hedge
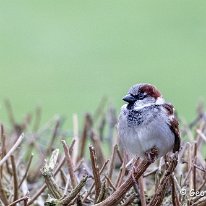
[{"x": 147, "y": 125}]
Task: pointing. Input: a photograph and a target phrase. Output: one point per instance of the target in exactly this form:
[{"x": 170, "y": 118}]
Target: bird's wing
[{"x": 174, "y": 125}]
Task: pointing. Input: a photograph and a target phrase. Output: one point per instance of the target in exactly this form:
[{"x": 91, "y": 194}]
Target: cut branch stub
[{"x": 47, "y": 172}]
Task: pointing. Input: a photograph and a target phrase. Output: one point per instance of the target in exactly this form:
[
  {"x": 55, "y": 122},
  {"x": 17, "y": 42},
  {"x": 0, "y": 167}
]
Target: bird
[{"x": 147, "y": 125}]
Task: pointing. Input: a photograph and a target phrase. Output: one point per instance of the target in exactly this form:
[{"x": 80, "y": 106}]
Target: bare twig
[
  {"x": 102, "y": 192},
  {"x": 121, "y": 191},
  {"x": 200, "y": 202},
  {"x": 3, "y": 147},
  {"x": 101, "y": 170},
  {"x": 76, "y": 137},
  {"x": 69, "y": 164},
  {"x": 3, "y": 194},
  {"x": 190, "y": 166},
  {"x": 121, "y": 172},
  {"x": 202, "y": 185},
  {"x": 27, "y": 169},
  {"x": 159, "y": 194},
  {"x": 95, "y": 170},
  {"x": 15, "y": 178},
  {"x": 111, "y": 164},
  {"x": 19, "y": 200},
  {"x": 98, "y": 148},
  {"x": 74, "y": 192},
  {"x": 119, "y": 155},
  {"x": 54, "y": 134},
  {"x": 12, "y": 149},
  {"x": 120, "y": 175},
  {"x": 194, "y": 168},
  {"x": 141, "y": 191},
  {"x": 102, "y": 127},
  {"x": 129, "y": 200},
  {"x": 202, "y": 135},
  {"x": 175, "y": 199},
  {"x": 87, "y": 126},
  {"x": 110, "y": 183},
  {"x": 71, "y": 147}
]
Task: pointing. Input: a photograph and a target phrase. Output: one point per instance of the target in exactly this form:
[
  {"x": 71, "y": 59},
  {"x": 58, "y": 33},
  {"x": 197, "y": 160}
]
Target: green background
[{"x": 66, "y": 55}]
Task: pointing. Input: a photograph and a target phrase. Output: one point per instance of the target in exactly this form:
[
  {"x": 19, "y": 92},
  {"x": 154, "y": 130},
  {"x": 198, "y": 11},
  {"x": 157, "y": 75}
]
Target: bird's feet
[{"x": 152, "y": 154}]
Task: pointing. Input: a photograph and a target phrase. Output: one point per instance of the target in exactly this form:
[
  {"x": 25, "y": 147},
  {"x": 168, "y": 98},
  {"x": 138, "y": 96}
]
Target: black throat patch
[{"x": 146, "y": 114}]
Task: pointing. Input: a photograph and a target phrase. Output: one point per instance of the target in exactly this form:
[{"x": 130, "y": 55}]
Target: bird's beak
[{"x": 129, "y": 98}]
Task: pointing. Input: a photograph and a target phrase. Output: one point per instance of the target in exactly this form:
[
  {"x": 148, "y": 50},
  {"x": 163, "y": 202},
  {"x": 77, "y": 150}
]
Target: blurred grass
[{"x": 66, "y": 55}]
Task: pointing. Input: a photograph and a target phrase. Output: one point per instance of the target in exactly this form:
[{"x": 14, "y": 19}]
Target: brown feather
[
  {"x": 150, "y": 90},
  {"x": 174, "y": 126}
]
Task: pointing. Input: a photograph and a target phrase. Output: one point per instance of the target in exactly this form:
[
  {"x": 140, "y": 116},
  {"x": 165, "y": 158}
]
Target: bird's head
[{"x": 140, "y": 95}]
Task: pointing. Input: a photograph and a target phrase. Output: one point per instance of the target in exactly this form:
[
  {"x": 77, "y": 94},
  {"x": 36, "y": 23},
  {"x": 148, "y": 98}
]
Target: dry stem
[
  {"x": 69, "y": 164},
  {"x": 15, "y": 178},
  {"x": 18, "y": 142},
  {"x": 159, "y": 194},
  {"x": 95, "y": 170}
]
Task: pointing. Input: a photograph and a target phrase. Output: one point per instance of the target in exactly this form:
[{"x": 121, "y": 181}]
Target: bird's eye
[{"x": 141, "y": 96}]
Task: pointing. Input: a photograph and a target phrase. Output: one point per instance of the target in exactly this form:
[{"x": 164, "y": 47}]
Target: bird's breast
[{"x": 141, "y": 130}]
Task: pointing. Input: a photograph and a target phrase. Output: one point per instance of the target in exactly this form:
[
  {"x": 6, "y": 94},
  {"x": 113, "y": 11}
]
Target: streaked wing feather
[{"x": 174, "y": 126}]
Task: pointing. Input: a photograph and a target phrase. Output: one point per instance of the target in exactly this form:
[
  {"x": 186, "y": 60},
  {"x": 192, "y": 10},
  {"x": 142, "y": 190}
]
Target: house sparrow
[{"x": 147, "y": 126}]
